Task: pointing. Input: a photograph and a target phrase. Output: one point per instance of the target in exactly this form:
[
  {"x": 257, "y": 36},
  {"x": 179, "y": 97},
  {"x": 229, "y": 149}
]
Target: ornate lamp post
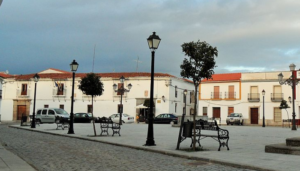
[
  {"x": 36, "y": 78},
  {"x": 121, "y": 90},
  {"x": 153, "y": 42},
  {"x": 74, "y": 66},
  {"x": 292, "y": 81},
  {"x": 263, "y": 93}
]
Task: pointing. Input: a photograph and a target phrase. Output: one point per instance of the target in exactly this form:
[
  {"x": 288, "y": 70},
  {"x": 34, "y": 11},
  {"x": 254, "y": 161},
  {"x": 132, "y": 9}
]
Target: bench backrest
[
  {"x": 105, "y": 120},
  {"x": 205, "y": 125}
]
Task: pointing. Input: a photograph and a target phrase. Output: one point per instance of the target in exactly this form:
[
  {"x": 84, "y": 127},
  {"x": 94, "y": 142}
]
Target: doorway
[
  {"x": 254, "y": 115},
  {"x": 21, "y": 111}
]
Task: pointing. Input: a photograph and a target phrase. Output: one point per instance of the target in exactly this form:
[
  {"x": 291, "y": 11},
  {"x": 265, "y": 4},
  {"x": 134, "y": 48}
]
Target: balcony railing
[
  {"x": 57, "y": 93},
  {"x": 216, "y": 95},
  {"x": 23, "y": 94},
  {"x": 253, "y": 97},
  {"x": 230, "y": 95},
  {"x": 276, "y": 97}
]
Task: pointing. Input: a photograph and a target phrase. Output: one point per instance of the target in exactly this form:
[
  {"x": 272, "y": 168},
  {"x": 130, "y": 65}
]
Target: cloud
[{"x": 250, "y": 35}]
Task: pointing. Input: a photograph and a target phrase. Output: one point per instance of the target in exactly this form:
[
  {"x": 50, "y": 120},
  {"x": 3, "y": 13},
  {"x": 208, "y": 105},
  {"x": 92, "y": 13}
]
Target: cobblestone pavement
[{"x": 50, "y": 152}]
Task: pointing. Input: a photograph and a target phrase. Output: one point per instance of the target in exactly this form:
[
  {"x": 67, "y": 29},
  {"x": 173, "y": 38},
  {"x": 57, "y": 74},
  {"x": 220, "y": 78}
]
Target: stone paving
[{"x": 48, "y": 152}]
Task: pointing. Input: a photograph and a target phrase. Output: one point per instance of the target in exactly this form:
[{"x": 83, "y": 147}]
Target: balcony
[
  {"x": 216, "y": 95},
  {"x": 57, "y": 93},
  {"x": 230, "y": 96},
  {"x": 276, "y": 97},
  {"x": 23, "y": 94},
  {"x": 253, "y": 97}
]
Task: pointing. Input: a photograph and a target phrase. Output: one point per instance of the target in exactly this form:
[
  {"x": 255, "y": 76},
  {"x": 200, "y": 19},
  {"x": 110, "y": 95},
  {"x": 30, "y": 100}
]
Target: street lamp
[
  {"x": 182, "y": 120},
  {"x": 292, "y": 81},
  {"x": 121, "y": 90},
  {"x": 263, "y": 93},
  {"x": 74, "y": 66},
  {"x": 153, "y": 42},
  {"x": 36, "y": 78}
]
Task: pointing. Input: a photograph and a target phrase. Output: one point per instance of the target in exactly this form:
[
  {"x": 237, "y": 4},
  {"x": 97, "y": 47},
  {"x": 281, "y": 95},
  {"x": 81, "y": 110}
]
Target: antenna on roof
[
  {"x": 94, "y": 58},
  {"x": 137, "y": 63}
]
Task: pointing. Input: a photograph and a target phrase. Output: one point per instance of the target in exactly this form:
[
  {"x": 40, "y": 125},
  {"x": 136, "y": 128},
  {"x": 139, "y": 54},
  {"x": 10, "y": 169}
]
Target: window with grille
[
  {"x": 277, "y": 114},
  {"x": 204, "y": 111}
]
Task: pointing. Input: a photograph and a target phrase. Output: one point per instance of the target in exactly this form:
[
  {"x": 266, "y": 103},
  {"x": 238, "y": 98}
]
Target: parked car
[
  {"x": 125, "y": 118},
  {"x": 49, "y": 115},
  {"x": 235, "y": 118},
  {"x": 165, "y": 118},
  {"x": 82, "y": 118}
]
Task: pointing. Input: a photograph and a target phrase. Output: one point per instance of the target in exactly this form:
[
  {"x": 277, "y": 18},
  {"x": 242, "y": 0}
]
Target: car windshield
[
  {"x": 61, "y": 112},
  {"x": 234, "y": 115},
  {"x": 90, "y": 115}
]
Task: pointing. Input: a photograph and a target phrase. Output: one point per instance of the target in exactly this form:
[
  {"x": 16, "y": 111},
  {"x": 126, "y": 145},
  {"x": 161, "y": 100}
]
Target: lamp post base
[{"x": 150, "y": 143}]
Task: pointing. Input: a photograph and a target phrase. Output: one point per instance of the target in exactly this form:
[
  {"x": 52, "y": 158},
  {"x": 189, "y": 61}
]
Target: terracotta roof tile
[
  {"x": 224, "y": 77},
  {"x": 103, "y": 75},
  {"x": 4, "y": 75}
]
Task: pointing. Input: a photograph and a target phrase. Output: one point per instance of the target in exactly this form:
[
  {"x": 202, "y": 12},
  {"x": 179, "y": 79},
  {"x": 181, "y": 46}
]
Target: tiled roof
[
  {"x": 224, "y": 77},
  {"x": 4, "y": 75},
  {"x": 103, "y": 75}
]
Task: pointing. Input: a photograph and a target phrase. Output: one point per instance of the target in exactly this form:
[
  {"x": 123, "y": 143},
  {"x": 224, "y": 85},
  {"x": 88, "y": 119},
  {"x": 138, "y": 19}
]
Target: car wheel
[
  {"x": 242, "y": 123},
  {"x": 231, "y": 124},
  {"x": 227, "y": 123}
]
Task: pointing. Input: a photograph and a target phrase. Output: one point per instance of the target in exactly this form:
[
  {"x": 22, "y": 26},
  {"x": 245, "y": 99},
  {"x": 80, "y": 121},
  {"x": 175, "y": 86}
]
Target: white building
[
  {"x": 55, "y": 86},
  {"x": 242, "y": 93}
]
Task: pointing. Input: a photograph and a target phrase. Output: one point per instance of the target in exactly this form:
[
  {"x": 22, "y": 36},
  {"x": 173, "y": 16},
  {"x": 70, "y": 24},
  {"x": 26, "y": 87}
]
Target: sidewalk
[{"x": 246, "y": 143}]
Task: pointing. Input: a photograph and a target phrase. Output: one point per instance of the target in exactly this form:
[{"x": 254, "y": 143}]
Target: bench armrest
[{"x": 223, "y": 132}]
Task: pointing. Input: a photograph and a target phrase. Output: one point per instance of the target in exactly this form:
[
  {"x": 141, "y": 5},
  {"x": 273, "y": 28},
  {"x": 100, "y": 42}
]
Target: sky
[{"x": 110, "y": 35}]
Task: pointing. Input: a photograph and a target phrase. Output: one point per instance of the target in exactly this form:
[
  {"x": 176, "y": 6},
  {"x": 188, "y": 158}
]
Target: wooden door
[
  {"x": 216, "y": 112},
  {"x": 21, "y": 110},
  {"x": 230, "y": 110},
  {"x": 254, "y": 115}
]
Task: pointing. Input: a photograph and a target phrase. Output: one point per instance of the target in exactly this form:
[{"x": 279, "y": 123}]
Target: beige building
[{"x": 242, "y": 93}]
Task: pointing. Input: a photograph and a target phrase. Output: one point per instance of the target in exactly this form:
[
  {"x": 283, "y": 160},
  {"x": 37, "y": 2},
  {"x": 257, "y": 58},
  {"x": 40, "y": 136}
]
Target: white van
[{"x": 48, "y": 115}]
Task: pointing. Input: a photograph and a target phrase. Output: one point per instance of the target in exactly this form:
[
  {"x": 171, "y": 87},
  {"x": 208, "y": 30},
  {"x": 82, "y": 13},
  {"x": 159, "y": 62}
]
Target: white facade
[
  {"x": 248, "y": 98},
  {"x": 16, "y": 101}
]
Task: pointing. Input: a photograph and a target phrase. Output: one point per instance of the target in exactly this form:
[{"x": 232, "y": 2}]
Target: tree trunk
[
  {"x": 93, "y": 116},
  {"x": 194, "y": 116}
]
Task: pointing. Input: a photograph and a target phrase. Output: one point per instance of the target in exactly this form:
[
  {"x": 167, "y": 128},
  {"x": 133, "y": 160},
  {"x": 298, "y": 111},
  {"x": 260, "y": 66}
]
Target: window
[
  {"x": 277, "y": 114},
  {"x": 44, "y": 112},
  {"x": 183, "y": 109},
  {"x": 60, "y": 89},
  {"x": 89, "y": 108},
  {"x": 184, "y": 98},
  {"x": 175, "y": 107},
  {"x": 46, "y": 106},
  {"x": 61, "y": 106},
  {"x": 39, "y": 112},
  {"x": 204, "y": 111},
  {"x": 51, "y": 112},
  {"x": 176, "y": 91},
  {"x": 120, "y": 86},
  {"x": 24, "y": 89}
]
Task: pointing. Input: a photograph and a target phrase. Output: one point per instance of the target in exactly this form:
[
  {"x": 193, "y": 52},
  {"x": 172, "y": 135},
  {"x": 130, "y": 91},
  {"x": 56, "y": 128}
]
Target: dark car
[
  {"x": 166, "y": 118},
  {"x": 82, "y": 118}
]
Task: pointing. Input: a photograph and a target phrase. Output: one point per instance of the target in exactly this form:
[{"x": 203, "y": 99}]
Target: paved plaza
[{"x": 246, "y": 143}]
